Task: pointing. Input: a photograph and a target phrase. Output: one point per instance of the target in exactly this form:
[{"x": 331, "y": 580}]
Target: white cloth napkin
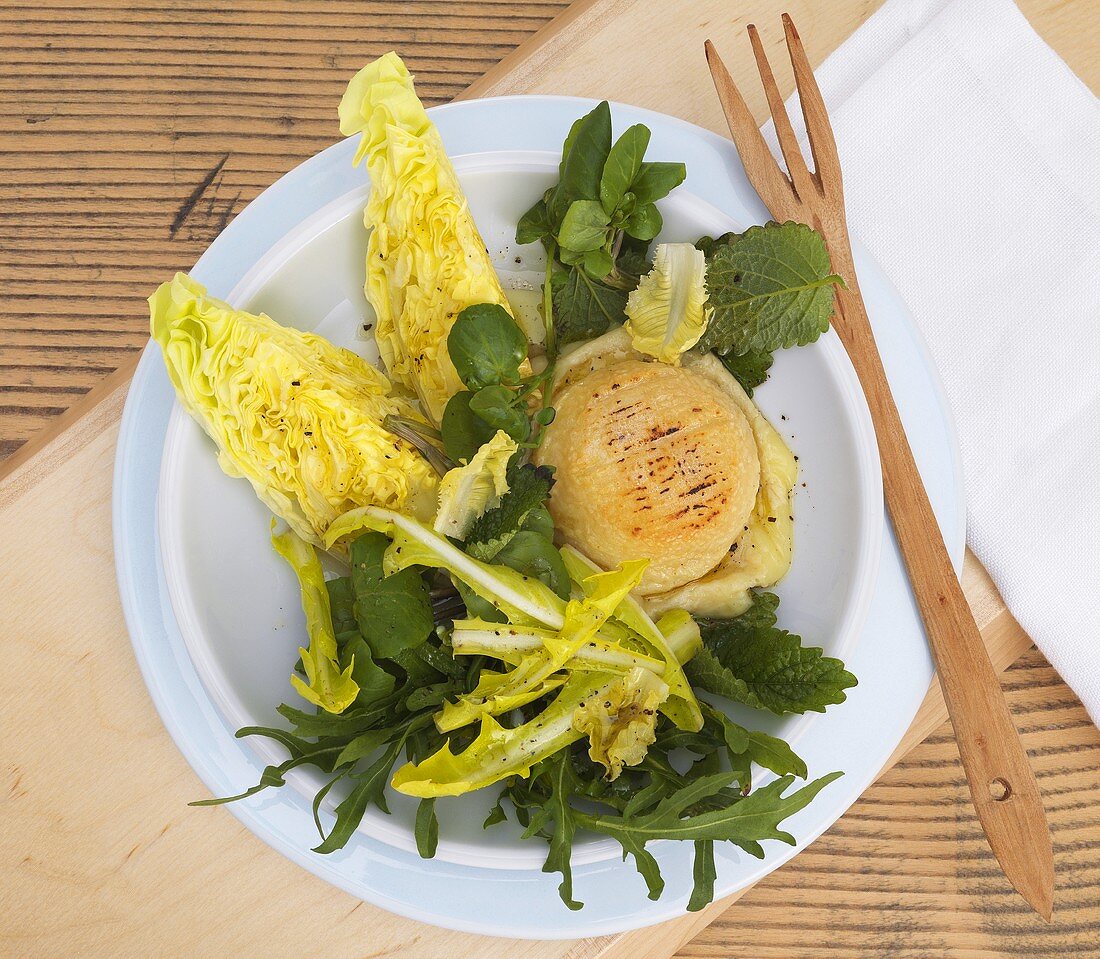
[{"x": 971, "y": 158}]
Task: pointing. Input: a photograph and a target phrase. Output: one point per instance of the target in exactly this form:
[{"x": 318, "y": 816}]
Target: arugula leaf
[
  {"x": 486, "y": 346},
  {"x": 370, "y": 789},
  {"x": 623, "y": 165},
  {"x": 584, "y": 307},
  {"x": 583, "y": 157},
  {"x": 394, "y": 612},
  {"x": 749, "y": 369},
  {"x": 749, "y": 660},
  {"x": 426, "y": 829},
  {"x": 770, "y": 288},
  {"x": 562, "y": 786},
  {"x": 703, "y": 874},
  {"x": 528, "y": 488}
]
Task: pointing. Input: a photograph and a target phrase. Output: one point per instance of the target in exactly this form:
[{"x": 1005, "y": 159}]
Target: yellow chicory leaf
[
  {"x": 299, "y": 418},
  {"x": 466, "y": 492},
  {"x": 426, "y": 261},
  {"x": 326, "y": 686},
  {"x": 621, "y": 724},
  {"x": 498, "y": 753},
  {"x": 667, "y": 313}
]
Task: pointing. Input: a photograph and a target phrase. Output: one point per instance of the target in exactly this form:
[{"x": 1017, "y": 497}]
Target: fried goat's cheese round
[{"x": 651, "y": 462}]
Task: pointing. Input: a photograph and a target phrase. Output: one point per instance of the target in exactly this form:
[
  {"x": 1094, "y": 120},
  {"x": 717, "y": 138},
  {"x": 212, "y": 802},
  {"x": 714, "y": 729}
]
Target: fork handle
[{"x": 1000, "y": 777}]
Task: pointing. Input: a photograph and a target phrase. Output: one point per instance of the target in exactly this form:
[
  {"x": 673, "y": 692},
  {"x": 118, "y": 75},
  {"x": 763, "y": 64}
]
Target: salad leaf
[
  {"x": 468, "y": 492},
  {"x": 532, "y": 554},
  {"x": 535, "y": 224},
  {"x": 426, "y": 829},
  {"x": 462, "y": 430},
  {"x": 497, "y": 753},
  {"x": 667, "y": 313},
  {"x": 427, "y": 221},
  {"x": 584, "y": 307},
  {"x": 656, "y": 180},
  {"x": 523, "y": 599},
  {"x": 326, "y": 685},
  {"x": 749, "y": 369},
  {"x": 623, "y": 164},
  {"x": 749, "y": 660},
  {"x": 682, "y": 706},
  {"x": 621, "y": 724},
  {"x": 584, "y": 227},
  {"x": 644, "y": 223},
  {"x": 520, "y": 508},
  {"x": 297, "y": 417},
  {"x": 486, "y": 346},
  {"x": 394, "y": 612},
  {"x": 770, "y": 288},
  {"x": 583, "y": 157},
  {"x": 497, "y": 406}
]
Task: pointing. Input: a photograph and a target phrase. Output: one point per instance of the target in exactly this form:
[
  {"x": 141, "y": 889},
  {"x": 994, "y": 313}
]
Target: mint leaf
[
  {"x": 584, "y": 307},
  {"x": 749, "y": 369},
  {"x": 528, "y": 488},
  {"x": 769, "y": 289},
  {"x": 748, "y": 660}
]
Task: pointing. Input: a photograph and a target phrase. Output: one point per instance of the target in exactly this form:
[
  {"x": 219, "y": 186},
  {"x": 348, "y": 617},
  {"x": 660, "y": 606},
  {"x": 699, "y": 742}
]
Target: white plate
[{"x": 218, "y": 654}]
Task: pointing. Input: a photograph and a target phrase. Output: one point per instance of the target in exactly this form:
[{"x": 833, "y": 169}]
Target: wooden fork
[{"x": 1002, "y": 784}]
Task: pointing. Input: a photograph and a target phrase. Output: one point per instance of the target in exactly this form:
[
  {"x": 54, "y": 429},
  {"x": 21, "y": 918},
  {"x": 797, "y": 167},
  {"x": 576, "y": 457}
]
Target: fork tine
[
  {"x": 760, "y": 166},
  {"x": 818, "y": 128},
  {"x": 804, "y": 184}
]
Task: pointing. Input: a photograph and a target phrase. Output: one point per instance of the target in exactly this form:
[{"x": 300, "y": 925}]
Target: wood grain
[
  {"x": 131, "y": 134},
  {"x": 100, "y": 857}
]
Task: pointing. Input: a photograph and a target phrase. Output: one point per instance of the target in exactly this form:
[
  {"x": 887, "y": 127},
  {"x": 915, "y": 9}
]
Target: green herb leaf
[
  {"x": 708, "y": 244},
  {"x": 534, "y": 555},
  {"x": 583, "y": 158},
  {"x": 394, "y": 613},
  {"x": 749, "y": 660},
  {"x": 769, "y": 289},
  {"x": 584, "y": 226},
  {"x": 520, "y": 508},
  {"x": 584, "y": 307},
  {"x": 464, "y": 432},
  {"x": 535, "y": 224},
  {"x": 370, "y": 788},
  {"x": 644, "y": 223},
  {"x": 623, "y": 165},
  {"x": 426, "y": 829},
  {"x": 558, "y": 856},
  {"x": 704, "y": 874},
  {"x": 497, "y": 406},
  {"x": 657, "y": 180},
  {"x": 776, "y": 755},
  {"x": 486, "y": 346},
  {"x": 373, "y": 681},
  {"x": 598, "y": 263},
  {"x": 749, "y": 369}
]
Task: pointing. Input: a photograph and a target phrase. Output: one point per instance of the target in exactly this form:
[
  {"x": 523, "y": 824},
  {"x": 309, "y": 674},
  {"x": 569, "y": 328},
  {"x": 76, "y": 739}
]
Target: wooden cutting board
[{"x": 99, "y": 854}]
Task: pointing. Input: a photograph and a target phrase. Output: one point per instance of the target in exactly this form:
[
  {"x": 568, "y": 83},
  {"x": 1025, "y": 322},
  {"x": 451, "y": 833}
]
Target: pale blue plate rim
[{"x": 520, "y": 903}]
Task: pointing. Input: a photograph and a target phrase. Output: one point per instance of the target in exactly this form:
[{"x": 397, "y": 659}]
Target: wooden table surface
[{"x": 130, "y": 134}]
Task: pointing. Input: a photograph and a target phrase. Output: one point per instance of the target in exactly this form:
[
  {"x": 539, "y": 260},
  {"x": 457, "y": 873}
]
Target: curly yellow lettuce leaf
[
  {"x": 426, "y": 261},
  {"x": 297, "y": 417},
  {"x": 667, "y": 313},
  {"x": 466, "y": 492},
  {"x": 622, "y": 723},
  {"x": 326, "y": 685}
]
